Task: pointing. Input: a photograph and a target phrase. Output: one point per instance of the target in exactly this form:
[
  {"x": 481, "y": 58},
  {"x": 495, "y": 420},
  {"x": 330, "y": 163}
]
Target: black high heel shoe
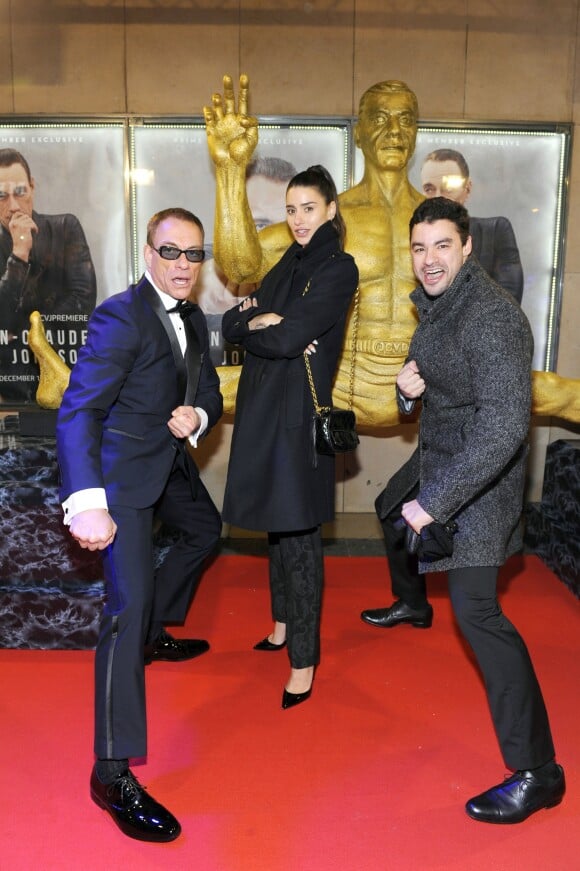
[
  {"x": 290, "y": 700},
  {"x": 266, "y": 644}
]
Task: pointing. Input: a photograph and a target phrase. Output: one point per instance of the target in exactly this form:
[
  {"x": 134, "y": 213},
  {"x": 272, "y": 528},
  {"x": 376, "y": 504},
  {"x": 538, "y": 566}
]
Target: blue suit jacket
[{"x": 112, "y": 424}]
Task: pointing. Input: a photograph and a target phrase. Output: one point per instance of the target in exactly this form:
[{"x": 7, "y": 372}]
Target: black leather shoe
[
  {"x": 135, "y": 812},
  {"x": 399, "y": 612},
  {"x": 519, "y": 796},
  {"x": 266, "y": 644},
  {"x": 174, "y": 649},
  {"x": 290, "y": 700}
]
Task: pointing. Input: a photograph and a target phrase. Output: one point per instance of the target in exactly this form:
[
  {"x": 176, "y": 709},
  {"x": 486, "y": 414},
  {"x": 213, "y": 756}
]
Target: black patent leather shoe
[
  {"x": 166, "y": 647},
  {"x": 519, "y": 796},
  {"x": 136, "y": 813},
  {"x": 398, "y": 613},
  {"x": 266, "y": 644},
  {"x": 290, "y": 700}
]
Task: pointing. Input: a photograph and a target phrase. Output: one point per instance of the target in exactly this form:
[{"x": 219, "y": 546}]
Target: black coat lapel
[{"x": 276, "y": 286}]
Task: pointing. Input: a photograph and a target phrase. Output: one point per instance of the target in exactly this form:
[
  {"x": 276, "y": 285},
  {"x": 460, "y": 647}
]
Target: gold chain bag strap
[{"x": 334, "y": 429}]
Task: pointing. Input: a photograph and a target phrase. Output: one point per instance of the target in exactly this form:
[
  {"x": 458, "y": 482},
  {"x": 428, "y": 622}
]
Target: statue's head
[{"x": 386, "y": 129}]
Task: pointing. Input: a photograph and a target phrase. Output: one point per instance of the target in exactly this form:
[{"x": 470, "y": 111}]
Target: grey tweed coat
[{"x": 473, "y": 347}]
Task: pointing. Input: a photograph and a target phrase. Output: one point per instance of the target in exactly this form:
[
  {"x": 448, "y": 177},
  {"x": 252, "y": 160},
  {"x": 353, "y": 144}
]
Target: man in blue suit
[{"x": 142, "y": 388}]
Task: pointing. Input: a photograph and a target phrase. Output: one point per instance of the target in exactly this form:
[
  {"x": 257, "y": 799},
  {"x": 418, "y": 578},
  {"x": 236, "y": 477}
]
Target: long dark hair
[{"x": 318, "y": 177}]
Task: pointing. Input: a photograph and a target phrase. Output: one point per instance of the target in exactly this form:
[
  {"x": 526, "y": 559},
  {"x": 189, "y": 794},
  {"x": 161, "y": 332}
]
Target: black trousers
[
  {"x": 139, "y": 598},
  {"x": 406, "y": 582},
  {"x": 513, "y": 692},
  {"x": 296, "y": 579}
]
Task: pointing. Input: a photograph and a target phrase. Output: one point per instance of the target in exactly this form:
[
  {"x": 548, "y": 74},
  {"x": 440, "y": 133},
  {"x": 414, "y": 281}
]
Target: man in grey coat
[{"x": 461, "y": 491}]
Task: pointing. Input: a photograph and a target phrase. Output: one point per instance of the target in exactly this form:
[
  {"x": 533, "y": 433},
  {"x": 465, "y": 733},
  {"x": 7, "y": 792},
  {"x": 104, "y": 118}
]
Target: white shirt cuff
[
  {"x": 193, "y": 438},
  {"x": 84, "y": 500}
]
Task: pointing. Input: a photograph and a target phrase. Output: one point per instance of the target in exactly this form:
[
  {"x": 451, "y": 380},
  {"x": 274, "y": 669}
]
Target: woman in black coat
[{"x": 272, "y": 483}]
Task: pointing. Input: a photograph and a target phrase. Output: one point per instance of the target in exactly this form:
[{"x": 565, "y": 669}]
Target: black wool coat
[
  {"x": 271, "y": 484},
  {"x": 473, "y": 347}
]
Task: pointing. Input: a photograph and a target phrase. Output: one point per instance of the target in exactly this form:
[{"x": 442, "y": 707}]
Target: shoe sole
[
  {"x": 416, "y": 624},
  {"x": 501, "y": 822},
  {"x": 273, "y": 649},
  {"x": 149, "y": 659}
]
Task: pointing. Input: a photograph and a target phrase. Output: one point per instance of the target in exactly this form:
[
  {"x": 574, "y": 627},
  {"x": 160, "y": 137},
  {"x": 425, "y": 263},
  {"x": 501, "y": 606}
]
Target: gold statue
[
  {"x": 377, "y": 212},
  {"x": 54, "y": 373},
  {"x": 554, "y": 396}
]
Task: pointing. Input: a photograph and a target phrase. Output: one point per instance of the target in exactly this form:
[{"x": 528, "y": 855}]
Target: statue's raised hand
[{"x": 232, "y": 136}]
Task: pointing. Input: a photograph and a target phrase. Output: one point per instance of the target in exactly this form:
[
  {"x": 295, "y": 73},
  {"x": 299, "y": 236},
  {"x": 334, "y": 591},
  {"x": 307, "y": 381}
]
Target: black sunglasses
[{"x": 170, "y": 252}]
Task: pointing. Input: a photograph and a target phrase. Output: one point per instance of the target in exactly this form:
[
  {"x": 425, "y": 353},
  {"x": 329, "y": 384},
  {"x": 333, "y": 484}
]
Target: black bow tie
[{"x": 183, "y": 307}]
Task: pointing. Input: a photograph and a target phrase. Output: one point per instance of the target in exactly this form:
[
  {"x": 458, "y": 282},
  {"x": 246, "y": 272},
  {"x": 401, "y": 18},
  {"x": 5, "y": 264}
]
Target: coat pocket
[{"x": 130, "y": 435}]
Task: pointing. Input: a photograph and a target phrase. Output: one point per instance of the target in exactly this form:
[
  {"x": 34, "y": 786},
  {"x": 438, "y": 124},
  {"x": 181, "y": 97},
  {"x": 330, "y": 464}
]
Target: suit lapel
[
  {"x": 152, "y": 297},
  {"x": 192, "y": 360}
]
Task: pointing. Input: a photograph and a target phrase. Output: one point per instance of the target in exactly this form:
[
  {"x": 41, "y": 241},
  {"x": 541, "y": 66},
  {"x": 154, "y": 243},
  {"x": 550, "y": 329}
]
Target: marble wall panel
[
  {"x": 378, "y": 457},
  {"x": 569, "y": 344},
  {"x": 520, "y": 60},
  {"x": 421, "y": 43},
  {"x": 6, "y": 85},
  {"x": 573, "y": 223},
  {"x": 67, "y": 58},
  {"x": 177, "y": 54},
  {"x": 212, "y": 457},
  {"x": 299, "y": 56},
  {"x": 576, "y": 80},
  {"x": 540, "y": 438}
]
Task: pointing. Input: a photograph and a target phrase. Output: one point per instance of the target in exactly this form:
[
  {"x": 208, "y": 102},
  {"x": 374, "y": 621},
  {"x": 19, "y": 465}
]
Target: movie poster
[
  {"x": 63, "y": 239},
  {"x": 74, "y": 232}
]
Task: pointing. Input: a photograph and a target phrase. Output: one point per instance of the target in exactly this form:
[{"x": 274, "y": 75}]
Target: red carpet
[{"x": 371, "y": 774}]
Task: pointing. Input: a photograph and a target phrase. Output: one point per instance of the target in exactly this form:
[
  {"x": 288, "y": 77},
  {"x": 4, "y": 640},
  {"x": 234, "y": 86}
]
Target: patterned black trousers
[{"x": 296, "y": 578}]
